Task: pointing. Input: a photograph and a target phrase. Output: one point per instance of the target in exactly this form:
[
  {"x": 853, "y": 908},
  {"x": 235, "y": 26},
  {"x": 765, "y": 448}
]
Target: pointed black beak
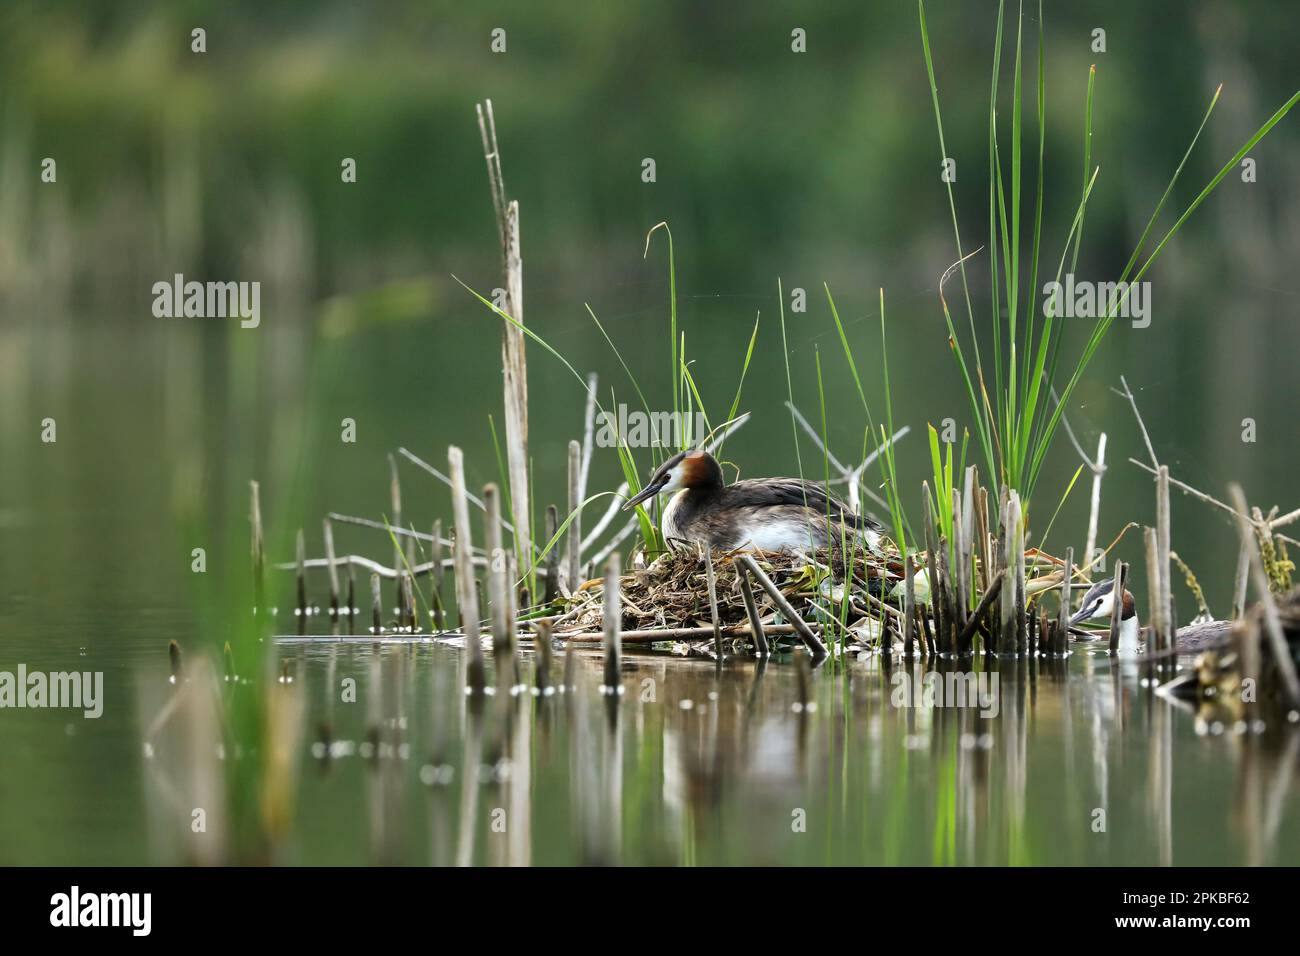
[
  {"x": 1083, "y": 614},
  {"x": 645, "y": 494}
]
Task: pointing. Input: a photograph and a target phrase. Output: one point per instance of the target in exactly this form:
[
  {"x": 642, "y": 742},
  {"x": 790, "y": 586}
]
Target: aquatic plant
[{"x": 1015, "y": 424}]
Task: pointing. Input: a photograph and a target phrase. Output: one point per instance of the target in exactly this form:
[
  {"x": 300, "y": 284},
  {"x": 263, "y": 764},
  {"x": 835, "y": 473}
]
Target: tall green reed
[{"x": 1015, "y": 426}]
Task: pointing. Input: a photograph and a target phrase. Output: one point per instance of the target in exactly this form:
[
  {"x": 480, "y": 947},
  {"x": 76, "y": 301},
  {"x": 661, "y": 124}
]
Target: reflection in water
[{"x": 699, "y": 765}]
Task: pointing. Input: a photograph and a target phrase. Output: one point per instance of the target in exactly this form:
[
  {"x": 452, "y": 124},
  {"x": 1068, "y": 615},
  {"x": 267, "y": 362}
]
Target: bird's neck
[{"x": 1129, "y": 632}]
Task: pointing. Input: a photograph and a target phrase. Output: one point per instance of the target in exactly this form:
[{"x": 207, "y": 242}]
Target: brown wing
[{"x": 770, "y": 492}]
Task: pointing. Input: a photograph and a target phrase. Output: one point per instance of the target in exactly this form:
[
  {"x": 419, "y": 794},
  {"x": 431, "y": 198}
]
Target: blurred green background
[{"x": 815, "y": 167}]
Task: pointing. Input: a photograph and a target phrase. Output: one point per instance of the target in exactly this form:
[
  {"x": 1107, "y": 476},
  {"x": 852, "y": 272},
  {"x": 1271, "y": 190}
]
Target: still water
[
  {"x": 695, "y": 766},
  {"x": 1054, "y": 763}
]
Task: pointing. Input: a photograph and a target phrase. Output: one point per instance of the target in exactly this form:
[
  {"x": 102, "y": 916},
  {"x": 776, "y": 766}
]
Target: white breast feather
[
  {"x": 781, "y": 536},
  {"x": 671, "y": 530}
]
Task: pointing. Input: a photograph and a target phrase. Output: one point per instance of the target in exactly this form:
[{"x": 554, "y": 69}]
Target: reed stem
[
  {"x": 909, "y": 607},
  {"x": 328, "y": 529},
  {"x": 542, "y": 642},
  {"x": 1119, "y": 582},
  {"x": 498, "y": 568},
  {"x": 712, "y": 582},
  {"x": 258, "y": 547},
  {"x": 613, "y": 624},
  {"x": 301, "y": 550},
  {"x": 751, "y": 611},
  {"x": 436, "y": 578},
  {"x": 1272, "y": 620},
  {"x": 806, "y": 634},
  {"x": 1062, "y": 636},
  {"x": 574, "y": 534},
  {"x": 551, "y": 564},
  {"x": 466, "y": 587},
  {"x": 513, "y": 357}
]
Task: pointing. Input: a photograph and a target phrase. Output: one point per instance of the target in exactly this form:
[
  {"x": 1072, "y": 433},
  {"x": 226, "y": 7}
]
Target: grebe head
[
  {"x": 686, "y": 469},
  {"x": 1100, "y": 601}
]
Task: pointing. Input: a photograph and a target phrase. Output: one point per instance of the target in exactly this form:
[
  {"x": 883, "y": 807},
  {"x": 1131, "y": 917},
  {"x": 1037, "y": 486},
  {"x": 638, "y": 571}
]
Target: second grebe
[
  {"x": 773, "y": 514},
  {"x": 1098, "y": 603},
  {"x": 1197, "y": 636}
]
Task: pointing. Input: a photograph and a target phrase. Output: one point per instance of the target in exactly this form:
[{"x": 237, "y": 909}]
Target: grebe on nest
[{"x": 772, "y": 514}]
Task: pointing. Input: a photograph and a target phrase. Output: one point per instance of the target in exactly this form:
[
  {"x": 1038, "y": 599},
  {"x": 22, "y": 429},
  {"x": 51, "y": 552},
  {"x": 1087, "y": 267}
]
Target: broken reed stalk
[
  {"x": 810, "y": 639},
  {"x": 986, "y": 602},
  {"x": 544, "y": 651},
  {"x": 412, "y": 615},
  {"x": 466, "y": 586},
  {"x": 1170, "y": 662},
  {"x": 257, "y": 546},
  {"x": 514, "y": 366},
  {"x": 376, "y": 606},
  {"x": 1061, "y": 642},
  {"x": 1272, "y": 621},
  {"x": 512, "y": 609},
  {"x": 302, "y": 581},
  {"x": 1239, "y": 584},
  {"x": 328, "y": 529},
  {"x": 964, "y": 528},
  {"x": 712, "y": 582},
  {"x": 573, "y": 564},
  {"x": 352, "y": 598},
  {"x": 958, "y": 579},
  {"x": 939, "y": 597},
  {"x": 751, "y": 611},
  {"x": 1151, "y": 548},
  {"x": 551, "y": 565},
  {"x": 981, "y": 536},
  {"x": 436, "y": 578},
  {"x": 408, "y": 601},
  {"x": 1007, "y": 617},
  {"x": 612, "y": 620},
  {"x": 909, "y": 607},
  {"x": 399, "y": 624},
  {"x": 499, "y": 586},
  {"x": 395, "y": 506},
  {"x": 1094, "y": 508},
  {"x": 588, "y": 435},
  {"x": 1164, "y": 637},
  {"x": 410, "y": 540},
  {"x": 926, "y": 633},
  {"x": 1117, "y": 605},
  {"x": 931, "y": 547},
  {"x": 1018, "y": 551}
]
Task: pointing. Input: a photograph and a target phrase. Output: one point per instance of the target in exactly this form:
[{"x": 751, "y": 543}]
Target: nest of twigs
[{"x": 671, "y": 595}]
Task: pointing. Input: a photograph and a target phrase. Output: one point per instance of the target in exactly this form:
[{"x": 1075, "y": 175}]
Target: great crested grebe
[
  {"x": 1099, "y": 601},
  {"x": 1098, "y": 604},
  {"x": 772, "y": 514}
]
